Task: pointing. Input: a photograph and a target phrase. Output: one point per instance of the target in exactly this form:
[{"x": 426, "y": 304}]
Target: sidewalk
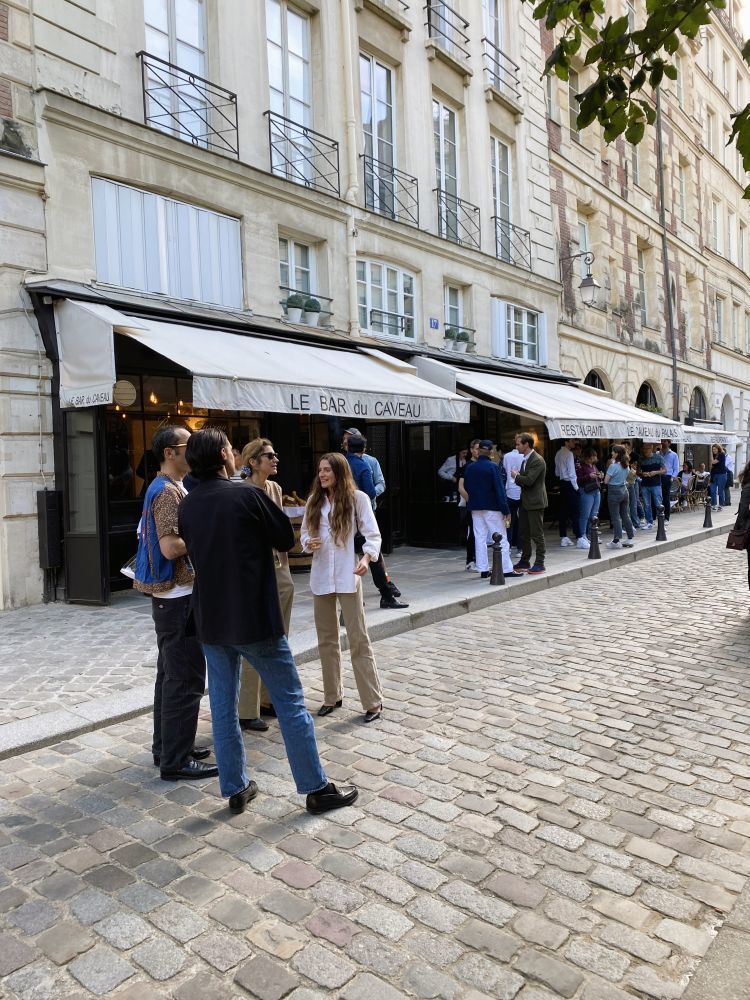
[{"x": 67, "y": 669}]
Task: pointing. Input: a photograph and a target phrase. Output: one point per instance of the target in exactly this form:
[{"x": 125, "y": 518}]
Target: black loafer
[
  {"x": 268, "y": 710},
  {"x": 330, "y": 797},
  {"x": 191, "y": 769},
  {"x": 255, "y": 725},
  {"x": 514, "y": 575},
  {"x": 485, "y": 574},
  {"x": 238, "y": 801},
  {"x": 394, "y": 589},
  {"x": 374, "y": 714},
  {"x": 197, "y": 753},
  {"x": 391, "y": 602},
  {"x": 327, "y": 709}
]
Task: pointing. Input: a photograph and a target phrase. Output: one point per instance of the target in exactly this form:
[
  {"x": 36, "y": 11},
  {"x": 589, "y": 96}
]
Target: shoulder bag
[{"x": 738, "y": 539}]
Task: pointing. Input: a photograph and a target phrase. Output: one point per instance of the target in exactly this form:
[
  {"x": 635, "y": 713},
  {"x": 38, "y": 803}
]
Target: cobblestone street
[{"x": 555, "y": 804}]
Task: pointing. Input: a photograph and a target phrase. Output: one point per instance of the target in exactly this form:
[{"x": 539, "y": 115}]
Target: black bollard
[
  {"x": 707, "y": 522},
  {"x": 497, "y": 577},
  {"x": 661, "y": 535},
  {"x": 594, "y": 551}
]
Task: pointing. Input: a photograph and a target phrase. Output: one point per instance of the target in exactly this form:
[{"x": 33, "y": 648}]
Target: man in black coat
[{"x": 230, "y": 531}]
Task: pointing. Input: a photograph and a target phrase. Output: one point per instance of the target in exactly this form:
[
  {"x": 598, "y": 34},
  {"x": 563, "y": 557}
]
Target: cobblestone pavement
[{"x": 555, "y": 804}]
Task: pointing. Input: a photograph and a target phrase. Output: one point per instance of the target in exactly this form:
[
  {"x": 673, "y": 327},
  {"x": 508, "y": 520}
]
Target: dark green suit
[{"x": 531, "y": 479}]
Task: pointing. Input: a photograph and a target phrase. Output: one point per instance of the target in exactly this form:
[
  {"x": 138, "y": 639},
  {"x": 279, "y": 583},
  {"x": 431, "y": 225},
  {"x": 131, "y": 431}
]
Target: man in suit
[
  {"x": 230, "y": 534},
  {"x": 488, "y": 506},
  {"x": 531, "y": 479}
]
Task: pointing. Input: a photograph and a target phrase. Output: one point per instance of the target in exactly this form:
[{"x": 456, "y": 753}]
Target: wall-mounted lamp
[{"x": 589, "y": 284}]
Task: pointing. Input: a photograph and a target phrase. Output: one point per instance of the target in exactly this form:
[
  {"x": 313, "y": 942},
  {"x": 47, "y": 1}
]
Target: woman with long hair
[
  {"x": 718, "y": 476},
  {"x": 589, "y": 492},
  {"x": 617, "y": 498},
  {"x": 743, "y": 511},
  {"x": 336, "y": 511}
]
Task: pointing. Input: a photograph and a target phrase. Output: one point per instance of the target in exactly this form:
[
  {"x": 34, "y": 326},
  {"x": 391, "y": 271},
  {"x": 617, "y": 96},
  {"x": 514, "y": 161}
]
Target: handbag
[
  {"x": 737, "y": 539},
  {"x": 591, "y": 486}
]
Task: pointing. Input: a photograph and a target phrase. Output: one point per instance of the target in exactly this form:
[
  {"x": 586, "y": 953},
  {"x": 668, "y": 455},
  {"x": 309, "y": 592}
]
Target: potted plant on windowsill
[
  {"x": 312, "y": 312},
  {"x": 462, "y": 341},
  {"x": 449, "y": 338},
  {"x": 294, "y": 306}
]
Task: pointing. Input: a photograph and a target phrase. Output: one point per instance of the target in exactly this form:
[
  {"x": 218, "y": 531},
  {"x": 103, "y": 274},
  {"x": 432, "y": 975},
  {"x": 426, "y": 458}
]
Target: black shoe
[
  {"x": 197, "y": 753},
  {"x": 256, "y": 725},
  {"x": 393, "y": 588},
  {"x": 191, "y": 769},
  {"x": 268, "y": 710},
  {"x": 485, "y": 575},
  {"x": 514, "y": 575},
  {"x": 238, "y": 801},
  {"x": 391, "y": 602},
  {"x": 327, "y": 709},
  {"x": 330, "y": 798},
  {"x": 374, "y": 714}
]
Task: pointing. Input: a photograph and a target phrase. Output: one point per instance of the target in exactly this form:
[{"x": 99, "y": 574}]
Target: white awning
[
  {"x": 702, "y": 434},
  {"x": 235, "y": 372},
  {"x": 567, "y": 410}
]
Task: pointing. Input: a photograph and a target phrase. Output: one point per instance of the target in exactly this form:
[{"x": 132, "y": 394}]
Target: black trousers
[
  {"x": 514, "y": 534},
  {"x": 569, "y": 508},
  {"x": 180, "y": 682},
  {"x": 379, "y": 576},
  {"x": 666, "y": 490},
  {"x": 467, "y": 533}
]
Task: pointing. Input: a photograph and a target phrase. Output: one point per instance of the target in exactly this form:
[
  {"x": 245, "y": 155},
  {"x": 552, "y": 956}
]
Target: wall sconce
[{"x": 589, "y": 285}]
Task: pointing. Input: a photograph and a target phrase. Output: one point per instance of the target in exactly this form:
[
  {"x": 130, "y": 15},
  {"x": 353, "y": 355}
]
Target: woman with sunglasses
[
  {"x": 259, "y": 463},
  {"x": 336, "y": 511}
]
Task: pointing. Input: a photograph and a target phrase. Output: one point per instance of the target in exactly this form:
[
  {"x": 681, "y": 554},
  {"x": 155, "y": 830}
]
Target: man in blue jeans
[{"x": 231, "y": 531}]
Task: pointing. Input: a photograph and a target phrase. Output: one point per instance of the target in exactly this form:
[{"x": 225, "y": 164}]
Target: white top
[
  {"x": 512, "y": 460},
  {"x": 565, "y": 467},
  {"x": 729, "y": 461},
  {"x": 333, "y": 565},
  {"x": 448, "y": 469}
]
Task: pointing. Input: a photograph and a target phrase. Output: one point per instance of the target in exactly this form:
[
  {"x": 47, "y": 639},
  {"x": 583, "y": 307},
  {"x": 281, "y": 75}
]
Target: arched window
[
  {"x": 646, "y": 398},
  {"x": 698, "y": 409},
  {"x": 595, "y": 380}
]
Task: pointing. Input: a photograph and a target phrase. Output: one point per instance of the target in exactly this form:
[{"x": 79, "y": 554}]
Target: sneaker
[
  {"x": 720, "y": 509},
  {"x": 471, "y": 567},
  {"x": 642, "y": 524},
  {"x": 583, "y": 543},
  {"x": 614, "y": 545},
  {"x": 565, "y": 541},
  {"x": 714, "y": 508},
  {"x": 649, "y": 526},
  {"x": 536, "y": 569},
  {"x": 627, "y": 543}
]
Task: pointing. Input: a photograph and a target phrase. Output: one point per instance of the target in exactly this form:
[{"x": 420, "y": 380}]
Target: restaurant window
[
  {"x": 295, "y": 266},
  {"x": 386, "y": 298},
  {"x": 518, "y": 334},
  {"x": 155, "y": 244}
]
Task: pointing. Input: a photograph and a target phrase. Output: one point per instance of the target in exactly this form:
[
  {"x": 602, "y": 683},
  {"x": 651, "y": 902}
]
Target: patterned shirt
[{"x": 164, "y": 508}]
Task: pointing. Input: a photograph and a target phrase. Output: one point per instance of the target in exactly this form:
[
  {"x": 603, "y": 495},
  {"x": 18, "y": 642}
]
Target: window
[
  {"x": 500, "y": 167},
  {"x": 595, "y": 380},
  {"x": 725, "y": 85},
  {"x": 678, "y": 84},
  {"x": 376, "y": 102},
  {"x": 642, "y": 298},
  {"x": 682, "y": 191},
  {"x": 550, "y": 95},
  {"x": 630, "y": 11},
  {"x": 719, "y": 319},
  {"x": 454, "y": 306},
  {"x": 710, "y": 130},
  {"x": 160, "y": 245},
  {"x": 175, "y": 32},
  {"x": 708, "y": 48},
  {"x": 635, "y": 163},
  {"x": 731, "y": 232},
  {"x": 646, "y": 398},
  {"x": 573, "y": 103},
  {"x": 518, "y": 333},
  {"x": 386, "y": 299},
  {"x": 583, "y": 246},
  {"x": 735, "y": 326},
  {"x": 747, "y": 333},
  {"x": 295, "y": 266},
  {"x": 726, "y": 149},
  {"x": 741, "y": 241},
  {"x": 494, "y": 27},
  {"x": 288, "y": 49},
  {"x": 446, "y": 168},
  {"x": 715, "y": 226},
  {"x": 698, "y": 408},
  {"x": 739, "y": 92}
]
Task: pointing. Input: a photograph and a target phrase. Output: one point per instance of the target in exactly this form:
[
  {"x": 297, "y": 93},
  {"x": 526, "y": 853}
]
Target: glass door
[
  {"x": 376, "y": 99},
  {"x": 86, "y": 569}
]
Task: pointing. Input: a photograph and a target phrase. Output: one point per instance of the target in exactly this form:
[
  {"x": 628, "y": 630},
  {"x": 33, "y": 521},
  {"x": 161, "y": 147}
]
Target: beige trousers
[
  {"x": 363, "y": 659},
  {"x": 253, "y": 691}
]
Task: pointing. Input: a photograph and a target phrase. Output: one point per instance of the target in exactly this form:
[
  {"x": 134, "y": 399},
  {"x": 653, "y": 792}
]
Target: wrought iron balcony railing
[
  {"x": 448, "y": 29},
  {"x": 396, "y": 324},
  {"x": 500, "y": 71},
  {"x": 303, "y": 155},
  {"x": 391, "y": 192},
  {"x": 325, "y": 300},
  {"x": 512, "y": 244},
  {"x": 458, "y": 220},
  {"x": 189, "y": 107}
]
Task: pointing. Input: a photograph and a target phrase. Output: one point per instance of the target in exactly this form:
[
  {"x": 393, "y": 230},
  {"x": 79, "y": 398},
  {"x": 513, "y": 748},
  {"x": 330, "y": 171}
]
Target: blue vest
[{"x": 150, "y": 565}]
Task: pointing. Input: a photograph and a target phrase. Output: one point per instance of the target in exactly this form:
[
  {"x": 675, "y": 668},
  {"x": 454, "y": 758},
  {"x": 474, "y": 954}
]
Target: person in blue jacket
[{"x": 489, "y": 507}]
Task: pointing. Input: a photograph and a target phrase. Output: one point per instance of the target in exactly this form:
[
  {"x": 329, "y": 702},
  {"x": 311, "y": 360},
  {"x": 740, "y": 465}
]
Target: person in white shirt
[
  {"x": 565, "y": 470},
  {"x": 729, "y": 463},
  {"x": 336, "y": 510},
  {"x": 451, "y": 467},
  {"x": 513, "y": 460}
]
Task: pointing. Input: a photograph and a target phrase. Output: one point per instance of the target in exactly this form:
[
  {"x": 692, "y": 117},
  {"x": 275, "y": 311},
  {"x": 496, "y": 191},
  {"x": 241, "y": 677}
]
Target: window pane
[
  {"x": 155, "y": 14},
  {"x": 189, "y": 22}
]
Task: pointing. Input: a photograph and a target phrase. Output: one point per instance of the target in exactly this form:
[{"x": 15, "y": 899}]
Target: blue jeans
[
  {"x": 618, "y": 503},
  {"x": 588, "y": 508},
  {"x": 273, "y": 660},
  {"x": 633, "y": 504},
  {"x": 718, "y": 485},
  {"x": 651, "y": 496}
]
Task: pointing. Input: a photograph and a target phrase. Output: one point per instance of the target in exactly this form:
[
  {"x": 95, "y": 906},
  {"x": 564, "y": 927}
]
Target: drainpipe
[
  {"x": 665, "y": 257},
  {"x": 352, "y": 188}
]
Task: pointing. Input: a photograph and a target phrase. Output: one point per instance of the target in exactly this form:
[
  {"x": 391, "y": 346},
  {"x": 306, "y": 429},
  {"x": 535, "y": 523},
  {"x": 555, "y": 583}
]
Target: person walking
[
  {"x": 650, "y": 468},
  {"x": 259, "y": 463},
  {"x": 718, "y": 476},
  {"x": 531, "y": 479},
  {"x": 336, "y": 511},
  {"x": 618, "y": 502},
  {"x": 488, "y": 506},
  {"x": 513, "y": 460},
  {"x": 467, "y": 525},
  {"x": 589, "y": 487},
  {"x": 231, "y": 533},
  {"x": 670, "y": 475},
  {"x": 565, "y": 470},
  {"x": 163, "y": 571},
  {"x": 742, "y": 522}
]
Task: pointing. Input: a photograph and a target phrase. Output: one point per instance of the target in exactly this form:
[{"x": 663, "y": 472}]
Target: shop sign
[
  {"x": 612, "y": 430},
  {"x": 125, "y": 393},
  {"x": 75, "y": 399}
]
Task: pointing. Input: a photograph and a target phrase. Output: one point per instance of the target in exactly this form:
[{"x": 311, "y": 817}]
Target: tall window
[
  {"x": 643, "y": 302},
  {"x": 646, "y": 398},
  {"x": 747, "y": 333},
  {"x": 741, "y": 241},
  {"x": 494, "y": 27},
  {"x": 594, "y": 380},
  {"x": 698, "y": 407},
  {"x": 573, "y": 103},
  {"x": 290, "y": 91},
  {"x": 518, "y": 333},
  {"x": 731, "y": 234},
  {"x": 719, "y": 319},
  {"x": 454, "y": 311},
  {"x": 715, "y": 225},
  {"x": 295, "y": 266},
  {"x": 710, "y": 130},
  {"x": 500, "y": 166},
  {"x": 445, "y": 136},
  {"x": 386, "y": 299},
  {"x": 583, "y": 245},
  {"x": 678, "y": 84},
  {"x": 708, "y": 48},
  {"x": 635, "y": 163},
  {"x": 735, "y": 326},
  {"x": 376, "y": 102},
  {"x": 176, "y": 33},
  {"x": 156, "y": 244},
  {"x": 682, "y": 191},
  {"x": 725, "y": 77}
]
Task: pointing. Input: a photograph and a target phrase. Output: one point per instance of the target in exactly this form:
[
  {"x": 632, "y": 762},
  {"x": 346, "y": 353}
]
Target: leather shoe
[
  {"x": 394, "y": 589},
  {"x": 391, "y": 602},
  {"x": 327, "y": 709},
  {"x": 514, "y": 575},
  {"x": 191, "y": 769},
  {"x": 197, "y": 753},
  {"x": 374, "y": 714},
  {"x": 239, "y": 800},
  {"x": 485, "y": 574},
  {"x": 268, "y": 710},
  {"x": 256, "y": 725},
  {"x": 330, "y": 797}
]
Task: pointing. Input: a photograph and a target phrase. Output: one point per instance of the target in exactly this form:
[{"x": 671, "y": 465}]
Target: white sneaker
[
  {"x": 565, "y": 541},
  {"x": 614, "y": 545},
  {"x": 583, "y": 543},
  {"x": 650, "y": 526},
  {"x": 627, "y": 543},
  {"x": 642, "y": 524},
  {"x": 471, "y": 567}
]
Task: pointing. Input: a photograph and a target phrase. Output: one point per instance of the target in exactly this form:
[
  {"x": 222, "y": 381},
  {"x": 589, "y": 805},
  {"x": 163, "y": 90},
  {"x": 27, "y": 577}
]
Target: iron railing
[
  {"x": 500, "y": 71},
  {"x": 302, "y": 155},
  {"x": 189, "y": 107},
  {"x": 512, "y": 244},
  {"x": 460, "y": 329},
  {"x": 391, "y": 192},
  {"x": 325, "y": 300},
  {"x": 458, "y": 220},
  {"x": 396, "y": 324},
  {"x": 447, "y": 29}
]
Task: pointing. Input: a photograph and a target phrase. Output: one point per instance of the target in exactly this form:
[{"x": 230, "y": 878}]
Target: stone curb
[
  {"x": 723, "y": 971},
  {"x": 43, "y": 730}
]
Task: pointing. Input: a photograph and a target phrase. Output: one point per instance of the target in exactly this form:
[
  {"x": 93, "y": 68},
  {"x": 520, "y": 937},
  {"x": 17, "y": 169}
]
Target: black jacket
[
  {"x": 742, "y": 523},
  {"x": 231, "y": 531}
]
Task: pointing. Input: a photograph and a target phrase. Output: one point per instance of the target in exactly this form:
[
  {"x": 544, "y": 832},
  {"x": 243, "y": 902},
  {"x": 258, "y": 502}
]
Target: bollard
[
  {"x": 497, "y": 577},
  {"x": 707, "y": 522},
  {"x": 594, "y": 552},
  {"x": 661, "y": 535}
]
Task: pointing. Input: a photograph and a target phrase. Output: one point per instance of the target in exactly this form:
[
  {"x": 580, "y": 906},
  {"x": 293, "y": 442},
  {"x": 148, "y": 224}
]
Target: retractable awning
[
  {"x": 708, "y": 435},
  {"x": 567, "y": 410},
  {"x": 236, "y": 372}
]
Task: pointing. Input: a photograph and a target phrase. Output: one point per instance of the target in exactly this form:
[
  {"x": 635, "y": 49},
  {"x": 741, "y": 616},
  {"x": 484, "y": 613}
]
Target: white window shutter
[
  {"x": 498, "y": 321},
  {"x": 542, "y": 335}
]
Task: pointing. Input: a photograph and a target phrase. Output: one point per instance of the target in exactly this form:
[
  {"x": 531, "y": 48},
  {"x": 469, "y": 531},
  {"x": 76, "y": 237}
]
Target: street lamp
[{"x": 589, "y": 284}]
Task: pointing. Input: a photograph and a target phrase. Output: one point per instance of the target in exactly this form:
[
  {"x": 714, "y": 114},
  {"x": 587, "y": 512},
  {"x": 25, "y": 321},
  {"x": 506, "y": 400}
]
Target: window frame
[
  {"x": 642, "y": 284},
  {"x": 719, "y": 319},
  {"x": 368, "y": 263},
  {"x": 447, "y": 306},
  {"x": 286, "y": 97},
  {"x": 292, "y": 265},
  {"x": 503, "y": 313},
  {"x": 573, "y": 105}
]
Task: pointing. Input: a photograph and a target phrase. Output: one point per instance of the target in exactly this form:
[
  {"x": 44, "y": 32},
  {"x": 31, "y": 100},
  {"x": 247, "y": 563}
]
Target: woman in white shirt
[{"x": 336, "y": 511}]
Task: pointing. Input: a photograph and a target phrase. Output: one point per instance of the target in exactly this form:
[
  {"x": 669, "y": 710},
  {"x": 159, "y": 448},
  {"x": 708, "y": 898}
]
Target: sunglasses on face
[{"x": 268, "y": 454}]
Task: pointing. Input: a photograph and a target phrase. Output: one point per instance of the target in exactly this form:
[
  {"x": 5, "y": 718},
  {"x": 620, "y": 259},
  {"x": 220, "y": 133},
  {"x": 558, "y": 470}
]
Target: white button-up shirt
[
  {"x": 333, "y": 564},
  {"x": 512, "y": 460},
  {"x": 565, "y": 467}
]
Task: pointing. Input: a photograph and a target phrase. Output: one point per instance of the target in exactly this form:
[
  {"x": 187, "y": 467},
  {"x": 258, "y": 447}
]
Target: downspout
[
  {"x": 665, "y": 257},
  {"x": 352, "y": 188}
]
